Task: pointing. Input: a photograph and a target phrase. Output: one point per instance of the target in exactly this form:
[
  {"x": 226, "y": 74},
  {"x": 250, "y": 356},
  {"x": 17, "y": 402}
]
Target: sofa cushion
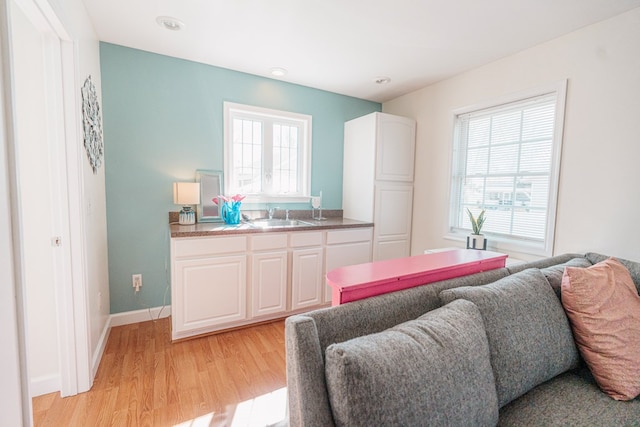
[
  {"x": 542, "y": 263},
  {"x": 435, "y": 368},
  {"x": 529, "y": 335},
  {"x": 570, "y": 399},
  {"x": 604, "y": 309},
  {"x": 555, "y": 272},
  {"x": 632, "y": 266}
]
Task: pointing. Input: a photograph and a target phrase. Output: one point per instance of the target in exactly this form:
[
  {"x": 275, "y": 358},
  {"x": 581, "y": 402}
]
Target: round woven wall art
[{"x": 92, "y": 125}]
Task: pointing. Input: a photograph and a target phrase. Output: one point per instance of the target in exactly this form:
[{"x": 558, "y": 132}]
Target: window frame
[
  {"x": 503, "y": 242},
  {"x": 233, "y": 110}
]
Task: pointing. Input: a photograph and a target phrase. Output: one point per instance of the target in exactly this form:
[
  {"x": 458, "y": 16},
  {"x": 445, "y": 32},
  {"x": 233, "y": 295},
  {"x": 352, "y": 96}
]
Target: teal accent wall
[{"x": 162, "y": 119}]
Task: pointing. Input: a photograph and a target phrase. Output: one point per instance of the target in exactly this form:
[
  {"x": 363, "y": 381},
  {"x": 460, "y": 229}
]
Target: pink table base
[{"x": 360, "y": 281}]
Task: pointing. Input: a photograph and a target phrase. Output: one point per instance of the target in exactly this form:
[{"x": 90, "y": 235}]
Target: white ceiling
[{"x": 343, "y": 45}]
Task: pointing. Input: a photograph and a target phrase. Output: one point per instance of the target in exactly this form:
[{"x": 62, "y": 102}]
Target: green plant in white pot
[{"x": 476, "y": 240}]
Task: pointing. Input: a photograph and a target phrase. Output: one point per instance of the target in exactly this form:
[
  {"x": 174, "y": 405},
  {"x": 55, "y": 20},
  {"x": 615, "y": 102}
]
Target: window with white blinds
[
  {"x": 267, "y": 153},
  {"x": 506, "y": 161}
]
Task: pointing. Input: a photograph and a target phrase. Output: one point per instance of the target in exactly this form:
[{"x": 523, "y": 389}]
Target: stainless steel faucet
[
  {"x": 287, "y": 215},
  {"x": 270, "y": 212}
]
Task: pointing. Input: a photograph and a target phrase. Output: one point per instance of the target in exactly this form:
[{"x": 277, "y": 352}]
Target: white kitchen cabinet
[
  {"x": 346, "y": 247},
  {"x": 307, "y": 279},
  {"x": 379, "y": 152},
  {"x": 209, "y": 277},
  {"x": 393, "y": 207},
  {"x": 395, "y": 148},
  {"x": 269, "y": 276},
  {"x": 222, "y": 282}
]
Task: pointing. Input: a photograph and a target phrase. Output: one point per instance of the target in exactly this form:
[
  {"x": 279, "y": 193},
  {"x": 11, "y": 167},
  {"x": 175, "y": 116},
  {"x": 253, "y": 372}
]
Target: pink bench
[{"x": 360, "y": 281}]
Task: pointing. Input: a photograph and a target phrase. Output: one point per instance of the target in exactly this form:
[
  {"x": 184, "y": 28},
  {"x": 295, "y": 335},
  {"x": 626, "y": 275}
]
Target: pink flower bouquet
[{"x": 229, "y": 207}]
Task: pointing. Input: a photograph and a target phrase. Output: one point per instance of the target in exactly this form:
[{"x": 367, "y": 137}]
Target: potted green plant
[{"x": 476, "y": 240}]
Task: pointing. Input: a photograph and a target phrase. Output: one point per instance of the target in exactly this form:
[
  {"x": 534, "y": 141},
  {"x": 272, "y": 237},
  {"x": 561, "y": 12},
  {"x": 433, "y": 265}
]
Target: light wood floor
[{"x": 144, "y": 380}]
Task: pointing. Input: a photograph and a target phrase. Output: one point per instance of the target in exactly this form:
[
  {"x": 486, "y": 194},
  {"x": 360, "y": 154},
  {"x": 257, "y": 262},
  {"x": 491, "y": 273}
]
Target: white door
[
  {"x": 307, "y": 282},
  {"x": 392, "y": 223},
  {"x": 37, "y": 203},
  {"x": 395, "y": 148},
  {"x": 56, "y": 336},
  {"x": 269, "y": 283},
  {"x": 212, "y": 291}
]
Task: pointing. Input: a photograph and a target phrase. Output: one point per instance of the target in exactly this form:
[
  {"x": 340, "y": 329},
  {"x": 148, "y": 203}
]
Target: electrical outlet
[{"x": 136, "y": 280}]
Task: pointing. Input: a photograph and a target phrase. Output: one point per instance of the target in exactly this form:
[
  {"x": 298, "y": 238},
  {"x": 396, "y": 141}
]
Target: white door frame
[
  {"x": 68, "y": 219},
  {"x": 17, "y": 411}
]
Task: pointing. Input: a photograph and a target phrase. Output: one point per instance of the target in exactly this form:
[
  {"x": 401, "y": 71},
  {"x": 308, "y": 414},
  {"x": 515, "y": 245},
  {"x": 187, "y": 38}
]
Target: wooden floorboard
[{"x": 145, "y": 380}]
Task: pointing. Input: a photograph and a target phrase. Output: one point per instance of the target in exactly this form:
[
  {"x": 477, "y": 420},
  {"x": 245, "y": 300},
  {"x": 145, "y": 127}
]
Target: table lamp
[{"x": 186, "y": 194}]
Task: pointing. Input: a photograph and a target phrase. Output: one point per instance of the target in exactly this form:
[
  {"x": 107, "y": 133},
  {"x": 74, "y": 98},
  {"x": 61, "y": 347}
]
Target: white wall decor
[{"x": 92, "y": 125}]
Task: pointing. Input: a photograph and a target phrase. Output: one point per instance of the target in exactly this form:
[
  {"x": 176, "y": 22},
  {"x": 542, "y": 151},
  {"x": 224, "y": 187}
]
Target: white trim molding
[
  {"x": 552, "y": 93},
  {"x": 137, "y": 316}
]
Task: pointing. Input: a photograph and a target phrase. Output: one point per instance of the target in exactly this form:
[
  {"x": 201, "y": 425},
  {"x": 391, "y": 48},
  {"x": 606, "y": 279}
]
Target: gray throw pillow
[
  {"x": 530, "y": 339},
  {"x": 555, "y": 272},
  {"x": 431, "y": 371}
]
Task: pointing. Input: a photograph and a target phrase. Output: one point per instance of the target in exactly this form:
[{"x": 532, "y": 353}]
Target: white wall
[
  {"x": 76, "y": 21},
  {"x": 599, "y": 199}
]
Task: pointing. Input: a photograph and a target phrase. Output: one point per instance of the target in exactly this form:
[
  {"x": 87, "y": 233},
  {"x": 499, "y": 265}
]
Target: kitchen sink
[{"x": 274, "y": 223}]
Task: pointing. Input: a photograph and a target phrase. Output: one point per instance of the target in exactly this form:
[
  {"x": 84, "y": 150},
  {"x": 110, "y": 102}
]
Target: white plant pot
[{"x": 476, "y": 241}]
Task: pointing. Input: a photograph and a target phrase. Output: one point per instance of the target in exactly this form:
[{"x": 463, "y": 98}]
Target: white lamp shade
[{"x": 186, "y": 193}]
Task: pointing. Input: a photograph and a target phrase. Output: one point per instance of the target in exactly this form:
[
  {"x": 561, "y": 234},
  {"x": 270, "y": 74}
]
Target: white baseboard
[
  {"x": 44, "y": 385},
  {"x": 136, "y": 316},
  {"x": 102, "y": 344}
]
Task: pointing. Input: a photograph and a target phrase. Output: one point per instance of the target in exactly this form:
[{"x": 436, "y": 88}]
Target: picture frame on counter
[{"x": 211, "y": 186}]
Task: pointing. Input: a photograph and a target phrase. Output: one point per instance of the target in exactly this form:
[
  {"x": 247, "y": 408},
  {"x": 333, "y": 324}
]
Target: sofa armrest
[{"x": 306, "y": 384}]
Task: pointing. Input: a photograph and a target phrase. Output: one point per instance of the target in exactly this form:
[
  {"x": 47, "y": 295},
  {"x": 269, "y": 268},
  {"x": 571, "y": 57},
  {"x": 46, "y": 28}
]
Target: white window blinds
[{"x": 504, "y": 163}]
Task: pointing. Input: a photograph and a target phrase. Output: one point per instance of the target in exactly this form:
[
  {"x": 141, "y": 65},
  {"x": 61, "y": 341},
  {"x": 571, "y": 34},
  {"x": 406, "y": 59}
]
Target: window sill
[
  {"x": 500, "y": 244},
  {"x": 277, "y": 199},
  {"x": 509, "y": 262}
]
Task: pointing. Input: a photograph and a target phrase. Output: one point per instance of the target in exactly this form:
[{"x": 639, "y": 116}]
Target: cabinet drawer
[
  {"x": 349, "y": 236},
  {"x": 209, "y": 246},
  {"x": 302, "y": 239},
  {"x": 268, "y": 241}
]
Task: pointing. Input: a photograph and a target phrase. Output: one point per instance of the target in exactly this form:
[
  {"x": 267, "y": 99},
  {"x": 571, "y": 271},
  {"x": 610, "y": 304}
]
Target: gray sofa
[{"x": 428, "y": 356}]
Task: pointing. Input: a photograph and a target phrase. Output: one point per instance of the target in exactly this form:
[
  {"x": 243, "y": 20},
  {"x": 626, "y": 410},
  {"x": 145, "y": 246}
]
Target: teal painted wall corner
[{"x": 162, "y": 121}]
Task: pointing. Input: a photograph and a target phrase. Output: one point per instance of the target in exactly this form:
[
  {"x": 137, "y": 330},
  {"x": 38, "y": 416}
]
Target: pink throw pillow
[{"x": 603, "y": 307}]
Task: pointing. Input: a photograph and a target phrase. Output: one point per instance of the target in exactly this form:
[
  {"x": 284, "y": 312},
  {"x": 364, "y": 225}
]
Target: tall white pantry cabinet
[{"x": 379, "y": 152}]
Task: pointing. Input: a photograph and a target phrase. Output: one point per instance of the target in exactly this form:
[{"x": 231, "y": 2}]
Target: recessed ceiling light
[
  {"x": 382, "y": 80},
  {"x": 278, "y": 72},
  {"x": 170, "y": 23}
]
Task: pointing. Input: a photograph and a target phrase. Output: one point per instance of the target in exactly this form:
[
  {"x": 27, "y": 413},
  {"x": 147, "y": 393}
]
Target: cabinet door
[
  {"x": 307, "y": 280},
  {"x": 209, "y": 292},
  {"x": 390, "y": 249},
  {"x": 392, "y": 229},
  {"x": 269, "y": 283},
  {"x": 337, "y": 256},
  {"x": 395, "y": 148}
]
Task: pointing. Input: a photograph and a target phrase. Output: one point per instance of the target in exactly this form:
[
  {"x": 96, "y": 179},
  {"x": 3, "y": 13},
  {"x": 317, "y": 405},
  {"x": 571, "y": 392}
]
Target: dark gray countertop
[{"x": 222, "y": 229}]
